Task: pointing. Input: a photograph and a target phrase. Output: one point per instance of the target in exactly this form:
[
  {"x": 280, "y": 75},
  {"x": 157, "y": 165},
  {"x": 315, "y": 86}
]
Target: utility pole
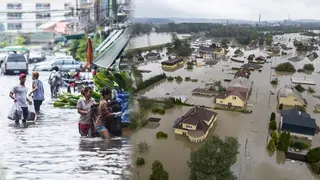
[{"x": 257, "y": 95}]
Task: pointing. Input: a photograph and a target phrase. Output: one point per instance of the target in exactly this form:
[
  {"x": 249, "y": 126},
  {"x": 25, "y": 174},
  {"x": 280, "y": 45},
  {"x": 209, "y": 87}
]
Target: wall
[
  {"x": 289, "y": 101},
  {"x": 237, "y": 102}
]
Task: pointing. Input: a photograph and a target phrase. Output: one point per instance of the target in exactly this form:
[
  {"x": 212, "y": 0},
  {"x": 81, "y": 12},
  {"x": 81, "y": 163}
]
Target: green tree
[
  {"x": 19, "y": 40},
  {"x": 273, "y": 116},
  {"x": 269, "y": 39},
  {"x": 316, "y": 167},
  {"x": 308, "y": 67},
  {"x": 224, "y": 43},
  {"x": 271, "y": 146},
  {"x": 281, "y": 106},
  {"x": 274, "y": 136},
  {"x": 273, "y": 125},
  {"x": 284, "y": 141},
  {"x": 214, "y": 159},
  {"x": 158, "y": 173},
  {"x": 81, "y": 51},
  {"x": 313, "y": 155},
  {"x": 285, "y": 67},
  {"x": 3, "y": 44}
]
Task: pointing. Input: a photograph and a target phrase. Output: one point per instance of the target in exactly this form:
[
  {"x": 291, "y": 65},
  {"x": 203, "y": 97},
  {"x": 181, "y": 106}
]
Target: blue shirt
[{"x": 39, "y": 94}]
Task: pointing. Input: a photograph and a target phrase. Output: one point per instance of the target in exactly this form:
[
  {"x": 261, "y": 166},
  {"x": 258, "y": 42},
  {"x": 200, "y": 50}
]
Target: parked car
[
  {"x": 64, "y": 65},
  {"x": 35, "y": 56},
  {"x": 14, "y": 63}
]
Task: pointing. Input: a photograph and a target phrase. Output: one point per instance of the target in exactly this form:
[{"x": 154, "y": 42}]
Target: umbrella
[{"x": 89, "y": 54}]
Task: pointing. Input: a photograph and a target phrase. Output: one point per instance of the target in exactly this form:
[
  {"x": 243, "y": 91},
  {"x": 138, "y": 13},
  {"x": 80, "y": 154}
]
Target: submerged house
[
  {"x": 204, "y": 92},
  {"x": 219, "y": 52},
  {"x": 312, "y": 56},
  {"x": 289, "y": 96},
  {"x": 153, "y": 56},
  {"x": 196, "y": 123},
  {"x": 298, "y": 123},
  {"x": 172, "y": 63},
  {"x": 237, "y": 94},
  {"x": 242, "y": 72},
  {"x": 205, "y": 52}
]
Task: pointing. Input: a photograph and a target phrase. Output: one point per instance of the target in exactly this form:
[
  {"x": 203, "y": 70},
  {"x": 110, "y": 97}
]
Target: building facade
[{"x": 26, "y": 16}]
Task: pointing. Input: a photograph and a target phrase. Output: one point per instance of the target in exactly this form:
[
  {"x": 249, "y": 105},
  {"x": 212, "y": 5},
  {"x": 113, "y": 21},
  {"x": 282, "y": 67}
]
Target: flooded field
[
  {"x": 254, "y": 162},
  {"x": 151, "y": 40}
]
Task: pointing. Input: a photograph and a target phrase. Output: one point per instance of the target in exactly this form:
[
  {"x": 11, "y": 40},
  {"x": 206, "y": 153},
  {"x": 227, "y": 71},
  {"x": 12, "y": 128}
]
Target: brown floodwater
[{"x": 254, "y": 162}]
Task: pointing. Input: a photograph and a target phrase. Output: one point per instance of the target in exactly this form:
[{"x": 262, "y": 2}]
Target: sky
[{"x": 229, "y": 9}]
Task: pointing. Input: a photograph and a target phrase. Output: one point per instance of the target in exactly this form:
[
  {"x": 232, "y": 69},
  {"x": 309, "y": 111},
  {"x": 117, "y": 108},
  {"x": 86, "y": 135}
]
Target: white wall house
[{"x": 26, "y": 16}]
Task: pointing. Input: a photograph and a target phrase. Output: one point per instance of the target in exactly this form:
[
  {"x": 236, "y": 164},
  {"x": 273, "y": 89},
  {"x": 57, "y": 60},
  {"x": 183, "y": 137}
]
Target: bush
[
  {"x": 273, "y": 116},
  {"x": 284, "y": 141},
  {"x": 313, "y": 155},
  {"x": 274, "y": 82},
  {"x": 161, "y": 135},
  {"x": 158, "y": 111},
  {"x": 143, "y": 147},
  {"x": 275, "y": 137},
  {"x": 315, "y": 167},
  {"x": 194, "y": 80},
  {"x": 311, "y": 90},
  {"x": 271, "y": 146},
  {"x": 299, "y": 88},
  {"x": 187, "y": 78},
  {"x": 302, "y": 109},
  {"x": 140, "y": 161},
  {"x": 170, "y": 78},
  {"x": 273, "y": 125},
  {"x": 179, "y": 78},
  {"x": 189, "y": 67},
  {"x": 280, "y": 106},
  {"x": 299, "y": 145},
  {"x": 158, "y": 172},
  {"x": 286, "y": 67},
  {"x": 308, "y": 67}
]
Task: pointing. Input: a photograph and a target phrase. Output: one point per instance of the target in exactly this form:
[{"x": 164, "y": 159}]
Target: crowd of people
[{"x": 95, "y": 119}]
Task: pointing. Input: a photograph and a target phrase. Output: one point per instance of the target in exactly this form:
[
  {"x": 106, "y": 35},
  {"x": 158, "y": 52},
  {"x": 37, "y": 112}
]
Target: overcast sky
[{"x": 229, "y": 9}]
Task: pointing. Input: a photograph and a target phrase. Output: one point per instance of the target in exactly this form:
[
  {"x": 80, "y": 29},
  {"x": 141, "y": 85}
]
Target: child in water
[{"x": 84, "y": 104}]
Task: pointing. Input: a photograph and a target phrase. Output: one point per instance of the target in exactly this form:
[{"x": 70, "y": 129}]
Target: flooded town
[{"x": 237, "y": 88}]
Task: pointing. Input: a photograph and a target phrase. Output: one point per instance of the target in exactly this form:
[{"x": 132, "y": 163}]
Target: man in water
[
  {"x": 19, "y": 95},
  {"x": 55, "y": 81}
]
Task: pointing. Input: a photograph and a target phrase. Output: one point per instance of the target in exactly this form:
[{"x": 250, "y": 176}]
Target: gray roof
[
  {"x": 291, "y": 90},
  {"x": 241, "y": 82},
  {"x": 297, "y": 121}
]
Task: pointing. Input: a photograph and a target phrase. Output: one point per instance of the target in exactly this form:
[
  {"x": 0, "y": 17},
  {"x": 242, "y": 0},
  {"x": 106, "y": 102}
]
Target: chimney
[{"x": 299, "y": 113}]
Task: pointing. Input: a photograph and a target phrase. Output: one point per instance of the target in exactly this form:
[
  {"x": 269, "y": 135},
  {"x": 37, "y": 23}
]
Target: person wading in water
[
  {"x": 37, "y": 92},
  {"x": 19, "y": 95},
  {"x": 84, "y": 104},
  {"x": 105, "y": 114}
]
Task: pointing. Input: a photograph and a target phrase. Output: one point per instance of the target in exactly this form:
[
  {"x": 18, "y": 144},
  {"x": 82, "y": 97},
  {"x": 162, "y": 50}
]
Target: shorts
[
  {"x": 100, "y": 128},
  {"x": 83, "y": 128}
]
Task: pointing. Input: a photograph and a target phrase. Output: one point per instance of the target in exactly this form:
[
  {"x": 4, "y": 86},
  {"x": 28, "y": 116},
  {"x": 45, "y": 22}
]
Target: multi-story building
[{"x": 26, "y": 16}]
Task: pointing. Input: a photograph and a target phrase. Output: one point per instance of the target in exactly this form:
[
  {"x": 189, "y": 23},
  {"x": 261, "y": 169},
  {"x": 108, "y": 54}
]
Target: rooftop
[
  {"x": 241, "y": 82},
  {"x": 234, "y": 91},
  {"x": 289, "y": 90},
  {"x": 196, "y": 116}
]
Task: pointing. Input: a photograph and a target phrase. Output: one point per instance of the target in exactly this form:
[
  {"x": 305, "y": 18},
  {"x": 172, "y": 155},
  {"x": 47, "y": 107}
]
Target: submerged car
[{"x": 64, "y": 65}]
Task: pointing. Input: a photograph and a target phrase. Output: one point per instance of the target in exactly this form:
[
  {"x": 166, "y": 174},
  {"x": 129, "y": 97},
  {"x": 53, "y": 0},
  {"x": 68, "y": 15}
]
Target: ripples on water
[{"x": 51, "y": 148}]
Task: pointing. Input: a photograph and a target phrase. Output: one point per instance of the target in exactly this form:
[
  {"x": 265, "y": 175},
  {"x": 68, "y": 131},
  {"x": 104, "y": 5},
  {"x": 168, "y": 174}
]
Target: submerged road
[{"x": 51, "y": 148}]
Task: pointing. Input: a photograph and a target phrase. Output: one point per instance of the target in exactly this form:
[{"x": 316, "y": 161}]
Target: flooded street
[
  {"x": 253, "y": 162},
  {"x": 51, "y": 148}
]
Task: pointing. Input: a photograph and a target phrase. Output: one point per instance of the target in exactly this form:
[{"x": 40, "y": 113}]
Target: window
[
  {"x": 234, "y": 98},
  {"x": 57, "y": 63},
  {"x": 16, "y": 58},
  {"x": 221, "y": 101},
  {"x": 188, "y": 127},
  {"x": 14, "y": 6},
  {"x": 43, "y": 15},
  {"x": 43, "y": 6},
  {"x": 14, "y": 15},
  {"x": 67, "y": 62},
  {"x": 14, "y": 26},
  {"x": 295, "y": 100}
]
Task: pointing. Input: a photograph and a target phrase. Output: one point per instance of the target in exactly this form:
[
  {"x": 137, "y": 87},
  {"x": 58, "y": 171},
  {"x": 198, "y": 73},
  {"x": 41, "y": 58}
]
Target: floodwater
[
  {"x": 51, "y": 148},
  {"x": 253, "y": 162},
  {"x": 152, "y": 39}
]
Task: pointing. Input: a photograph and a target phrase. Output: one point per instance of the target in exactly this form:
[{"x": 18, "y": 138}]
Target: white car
[
  {"x": 63, "y": 65},
  {"x": 14, "y": 64}
]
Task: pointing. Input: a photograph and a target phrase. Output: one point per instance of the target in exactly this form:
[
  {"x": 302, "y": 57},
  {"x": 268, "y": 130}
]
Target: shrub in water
[
  {"x": 161, "y": 135},
  {"x": 140, "y": 161},
  {"x": 280, "y": 106},
  {"x": 273, "y": 125},
  {"x": 273, "y": 116}
]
